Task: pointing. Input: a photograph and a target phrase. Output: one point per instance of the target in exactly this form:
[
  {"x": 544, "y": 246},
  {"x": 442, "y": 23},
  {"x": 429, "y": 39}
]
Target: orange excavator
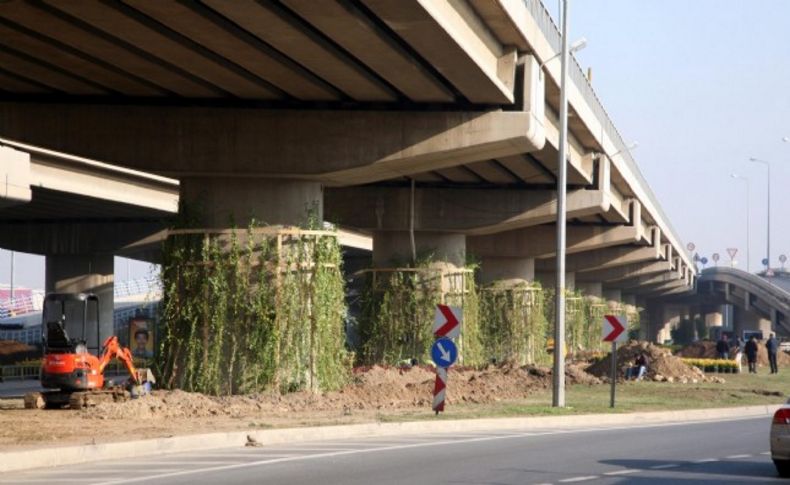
[{"x": 72, "y": 374}]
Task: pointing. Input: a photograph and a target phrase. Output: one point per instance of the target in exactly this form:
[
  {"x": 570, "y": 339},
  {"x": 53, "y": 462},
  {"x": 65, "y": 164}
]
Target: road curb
[{"x": 69, "y": 455}]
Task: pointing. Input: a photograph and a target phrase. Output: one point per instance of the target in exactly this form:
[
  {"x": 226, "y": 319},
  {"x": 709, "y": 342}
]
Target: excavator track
[{"x": 87, "y": 399}]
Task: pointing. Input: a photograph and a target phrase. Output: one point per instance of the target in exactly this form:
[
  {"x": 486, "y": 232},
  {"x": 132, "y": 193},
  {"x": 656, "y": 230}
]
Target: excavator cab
[
  {"x": 65, "y": 323},
  {"x": 68, "y": 363}
]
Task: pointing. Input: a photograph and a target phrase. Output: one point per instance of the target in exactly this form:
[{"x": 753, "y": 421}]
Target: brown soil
[
  {"x": 373, "y": 388},
  {"x": 371, "y": 391},
  {"x": 12, "y": 352},
  {"x": 706, "y": 349},
  {"x": 662, "y": 365}
]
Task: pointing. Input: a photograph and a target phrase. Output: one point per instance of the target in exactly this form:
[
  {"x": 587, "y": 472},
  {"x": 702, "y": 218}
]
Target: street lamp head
[
  {"x": 632, "y": 145},
  {"x": 578, "y": 45}
]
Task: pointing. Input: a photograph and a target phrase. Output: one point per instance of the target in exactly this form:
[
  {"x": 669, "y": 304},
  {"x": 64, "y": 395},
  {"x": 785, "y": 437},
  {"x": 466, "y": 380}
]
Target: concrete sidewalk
[{"x": 55, "y": 456}]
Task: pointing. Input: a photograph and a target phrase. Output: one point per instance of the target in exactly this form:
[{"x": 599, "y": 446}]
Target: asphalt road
[{"x": 725, "y": 452}]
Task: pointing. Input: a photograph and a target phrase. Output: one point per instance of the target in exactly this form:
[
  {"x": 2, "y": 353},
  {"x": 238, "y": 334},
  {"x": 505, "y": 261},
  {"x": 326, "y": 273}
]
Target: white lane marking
[
  {"x": 197, "y": 461},
  {"x": 705, "y": 460},
  {"x": 342, "y": 445},
  {"x": 418, "y": 445},
  {"x": 248, "y": 454},
  {"x": 55, "y": 480},
  {"x": 737, "y": 457},
  {"x": 97, "y": 471},
  {"x": 623, "y": 472},
  {"x": 765, "y": 453},
  {"x": 578, "y": 479},
  {"x": 664, "y": 467},
  {"x": 292, "y": 449}
]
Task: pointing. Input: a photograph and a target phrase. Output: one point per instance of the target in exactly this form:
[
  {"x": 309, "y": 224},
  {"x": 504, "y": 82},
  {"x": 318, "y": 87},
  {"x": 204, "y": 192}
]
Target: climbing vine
[
  {"x": 513, "y": 323},
  {"x": 255, "y": 309},
  {"x": 398, "y": 307}
]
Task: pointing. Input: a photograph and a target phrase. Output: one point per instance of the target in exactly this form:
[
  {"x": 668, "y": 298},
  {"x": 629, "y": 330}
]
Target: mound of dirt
[
  {"x": 12, "y": 352},
  {"x": 706, "y": 349},
  {"x": 371, "y": 388},
  {"x": 662, "y": 366}
]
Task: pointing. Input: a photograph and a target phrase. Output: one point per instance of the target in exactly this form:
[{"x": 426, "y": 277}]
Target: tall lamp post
[
  {"x": 745, "y": 179},
  {"x": 558, "y": 392},
  {"x": 558, "y": 388},
  {"x": 768, "y": 217}
]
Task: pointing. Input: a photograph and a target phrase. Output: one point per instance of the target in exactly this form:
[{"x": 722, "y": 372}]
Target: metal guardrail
[
  {"x": 18, "y": 372},
  {"x": 23, "y": 305},
  {"x": 553, "y": 35},
  {"x": 139, "y": 286}
]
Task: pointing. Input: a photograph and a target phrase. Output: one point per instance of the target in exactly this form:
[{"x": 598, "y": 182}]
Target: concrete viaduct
[
  {"x": 758, "y": 303},
  {"x": 262, "y": 108}
]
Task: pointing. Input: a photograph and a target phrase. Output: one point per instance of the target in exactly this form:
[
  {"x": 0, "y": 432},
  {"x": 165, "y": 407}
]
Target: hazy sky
[{"x": 702, "y": 85}]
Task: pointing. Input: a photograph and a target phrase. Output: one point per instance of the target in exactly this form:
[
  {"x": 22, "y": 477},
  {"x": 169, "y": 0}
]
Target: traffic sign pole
[
  {"x": 439, "y": 390},
  {"x": 614, "y": 372},
  {"x": 614, "y": 330},
  {"x": 446, "y": 326}
]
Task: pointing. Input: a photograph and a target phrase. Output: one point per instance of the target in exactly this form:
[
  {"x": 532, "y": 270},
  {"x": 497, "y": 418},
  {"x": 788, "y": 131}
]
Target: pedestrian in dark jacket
[
  {"x": 772, "y": 346},
  {"x": 723, "y": 348},
  {"x": 750, "y": 349}
]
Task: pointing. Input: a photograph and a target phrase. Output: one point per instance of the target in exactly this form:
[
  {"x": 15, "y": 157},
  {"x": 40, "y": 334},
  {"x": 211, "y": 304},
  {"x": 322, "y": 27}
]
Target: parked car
[{"x": 780, "y": 440}]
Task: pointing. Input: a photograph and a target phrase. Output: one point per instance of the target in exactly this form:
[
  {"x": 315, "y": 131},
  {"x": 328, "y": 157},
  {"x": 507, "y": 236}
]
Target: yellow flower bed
[{"x": 713, "y": 365}]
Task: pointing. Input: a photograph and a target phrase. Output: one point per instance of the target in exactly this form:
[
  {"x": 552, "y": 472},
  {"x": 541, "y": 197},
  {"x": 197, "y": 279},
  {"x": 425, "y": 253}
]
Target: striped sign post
[
  {"x": 439, "y": 389},
  {"x": 446, "y": 326}
]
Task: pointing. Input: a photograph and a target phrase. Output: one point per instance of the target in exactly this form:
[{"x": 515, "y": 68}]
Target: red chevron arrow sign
[
  {"x": 614, "y": 328},
  {"x": 447, "y": 322}
]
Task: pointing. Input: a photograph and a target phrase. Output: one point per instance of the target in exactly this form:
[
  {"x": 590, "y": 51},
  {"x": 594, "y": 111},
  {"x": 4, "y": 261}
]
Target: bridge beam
[
  {"x": 471, "y": 211},
  {"x": 611, "y": 257},
  {"x": 620, "y": 273},
  {"x": 334, "y": 147}
]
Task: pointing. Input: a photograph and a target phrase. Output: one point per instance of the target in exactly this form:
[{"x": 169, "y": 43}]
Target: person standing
[
  {"x": 772, "y": 346},
  {"x": 723, "y": 348},
  {"x": 736, "y": 352},
  {"x": 750, "y": 349}
]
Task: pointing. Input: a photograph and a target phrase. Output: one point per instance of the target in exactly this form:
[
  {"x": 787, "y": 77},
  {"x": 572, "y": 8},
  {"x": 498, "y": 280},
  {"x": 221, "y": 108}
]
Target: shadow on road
[{"x": 688, "y": 472}]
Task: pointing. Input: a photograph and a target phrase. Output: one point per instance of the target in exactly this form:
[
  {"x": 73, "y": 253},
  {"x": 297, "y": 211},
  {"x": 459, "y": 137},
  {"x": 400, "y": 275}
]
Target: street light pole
[
  {"x": 768, "y": 222},
  {"x": 13, "y": 256},
  {"x": 746, "y": 179},
  {"x": 558, "y": 391}
]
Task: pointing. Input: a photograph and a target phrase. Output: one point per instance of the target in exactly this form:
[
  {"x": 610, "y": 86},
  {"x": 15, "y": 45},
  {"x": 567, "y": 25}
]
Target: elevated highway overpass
[
  {"x": 262, "y": 108},
  {"x": 759, "y": 303}
]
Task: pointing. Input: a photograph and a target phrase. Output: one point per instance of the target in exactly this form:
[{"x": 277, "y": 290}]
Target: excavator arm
[{"x": 113, "y": 349}]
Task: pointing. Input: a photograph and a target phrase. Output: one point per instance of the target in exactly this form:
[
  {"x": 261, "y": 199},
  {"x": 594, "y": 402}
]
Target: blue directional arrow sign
[{"x": 444, "y": 352}]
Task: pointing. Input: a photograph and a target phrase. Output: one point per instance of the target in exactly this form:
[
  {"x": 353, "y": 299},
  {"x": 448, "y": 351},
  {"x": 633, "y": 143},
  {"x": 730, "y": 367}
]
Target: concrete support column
[
  {"x": 614, "y": 295},
  {"x": 548, "y": 280},
  {"x": 507, "y": 271},
  {"x": 589, "y": 288},
  {"x": 221, "y": 202},
  {"x": 85, "y": 274},
  {"x": 393, "y": 248}
]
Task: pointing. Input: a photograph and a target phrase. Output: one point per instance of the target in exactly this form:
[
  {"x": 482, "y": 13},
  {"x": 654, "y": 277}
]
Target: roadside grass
[{"x": 738, "y": 390}]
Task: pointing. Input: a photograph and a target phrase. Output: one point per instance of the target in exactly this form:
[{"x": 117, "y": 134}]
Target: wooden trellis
[{"x": 267, "y": 304}]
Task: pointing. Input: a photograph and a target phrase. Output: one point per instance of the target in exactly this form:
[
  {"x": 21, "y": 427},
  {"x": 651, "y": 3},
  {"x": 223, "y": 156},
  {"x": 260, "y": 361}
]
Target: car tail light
[{"x": 782, "y": 416}]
